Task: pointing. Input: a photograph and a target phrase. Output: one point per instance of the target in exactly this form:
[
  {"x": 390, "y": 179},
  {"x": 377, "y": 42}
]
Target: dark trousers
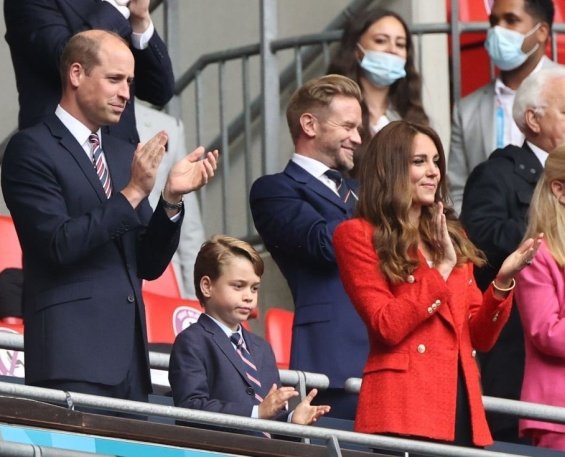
[{"x": 135, "y": 386}]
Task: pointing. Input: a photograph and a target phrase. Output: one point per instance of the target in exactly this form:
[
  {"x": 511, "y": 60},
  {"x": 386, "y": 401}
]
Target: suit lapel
[
  {"x": 299, "y": 174},
  {"x": 70, "y": 144},
  {"x": 225, "y": 345}
]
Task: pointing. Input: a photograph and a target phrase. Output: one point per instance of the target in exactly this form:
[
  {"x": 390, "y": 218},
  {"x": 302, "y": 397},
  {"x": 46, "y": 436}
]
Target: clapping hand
[
  {"x": 444, "y": 243},
  {"x": 190, "y": 173},
  {"x": 305, "y": 413},
  {"x": 275, "y": 401},
  {"x": 145, "y": 163},
  {"x": 516, "y": 261}
]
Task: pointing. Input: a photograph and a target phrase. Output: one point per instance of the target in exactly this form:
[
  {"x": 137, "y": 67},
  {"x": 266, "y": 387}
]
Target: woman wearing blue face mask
[{"x": 376, "y": 51}]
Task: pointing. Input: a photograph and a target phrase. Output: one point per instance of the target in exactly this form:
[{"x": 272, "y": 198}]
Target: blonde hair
[
  {"x": 546, "y": 213},
  {"x": 318, "y": 94}
]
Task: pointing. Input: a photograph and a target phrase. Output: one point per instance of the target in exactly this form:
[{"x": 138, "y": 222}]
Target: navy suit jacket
[
  {"x": 37, "y": 31},
  {"x": 296, "y": 216},
  {"x": 83, "y": 255},
  {"x": 206, "y": 373}
]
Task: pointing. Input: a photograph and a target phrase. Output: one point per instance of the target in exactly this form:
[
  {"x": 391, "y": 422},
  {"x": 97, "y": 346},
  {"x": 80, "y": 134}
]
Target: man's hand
[
  {"x": 144, "y": 167},
  {"x": 139, "y": 17},
  {"x": 305, "y": 413},
  {"x": 190, "y": 174}
]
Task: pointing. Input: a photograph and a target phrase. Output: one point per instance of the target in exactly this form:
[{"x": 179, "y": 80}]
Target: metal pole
[
  {"x": 172, "y": 33},
  {"x": 270, "y": 85},
  {"x": 455, "y": 51}
]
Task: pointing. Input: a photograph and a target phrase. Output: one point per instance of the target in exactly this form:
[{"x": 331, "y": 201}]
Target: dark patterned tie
[
  {"x": 250, "y": 369},
  {"x": 343, "y": 189},
  {"x": 98, "y": 162}
]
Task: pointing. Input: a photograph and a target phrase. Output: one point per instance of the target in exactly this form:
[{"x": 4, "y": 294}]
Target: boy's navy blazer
[
  {"x": 296, "y": 216},
  {"x": 206, "y": 373}
]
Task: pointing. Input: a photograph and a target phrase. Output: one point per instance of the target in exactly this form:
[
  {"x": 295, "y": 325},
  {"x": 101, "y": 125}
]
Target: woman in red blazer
[{"x": 408, "y": 268}]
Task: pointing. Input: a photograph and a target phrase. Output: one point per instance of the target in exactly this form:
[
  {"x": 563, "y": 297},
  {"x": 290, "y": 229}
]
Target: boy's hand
[
  {"x": 305, "y": 413},
  {"x": 275, "y": 401}
]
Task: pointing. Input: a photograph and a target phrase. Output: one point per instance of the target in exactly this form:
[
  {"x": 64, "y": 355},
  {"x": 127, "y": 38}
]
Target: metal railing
[
  {"x": 332, "y": 437},
  {"x": 305, "y": 381}
]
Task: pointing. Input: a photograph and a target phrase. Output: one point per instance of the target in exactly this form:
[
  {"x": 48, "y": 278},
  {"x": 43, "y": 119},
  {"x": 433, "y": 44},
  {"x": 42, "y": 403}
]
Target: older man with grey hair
[{"x": 495, "y": 205}]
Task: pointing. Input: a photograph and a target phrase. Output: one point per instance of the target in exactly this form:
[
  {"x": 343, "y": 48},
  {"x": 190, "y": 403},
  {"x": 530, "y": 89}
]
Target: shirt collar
[
  {"x": 540, "y": 153},
  {"x": 77, "y": 128},
  {"x": 228, "y": 331},
  {"x": 312, "y": 166}
]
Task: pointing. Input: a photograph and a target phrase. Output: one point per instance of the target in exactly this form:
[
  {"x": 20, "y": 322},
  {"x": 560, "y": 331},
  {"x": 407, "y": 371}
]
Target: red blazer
[{"x": 418, "y": 330}]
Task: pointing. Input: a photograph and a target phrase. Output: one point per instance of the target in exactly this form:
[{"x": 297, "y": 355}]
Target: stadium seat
[
  {"x": 278, "y": 333},
  {"x": 12, "y": 362},
  {"x": 168, "y": 316},
  {"x": 165, "y": 285},
  {"x": 10, "y": 250}
]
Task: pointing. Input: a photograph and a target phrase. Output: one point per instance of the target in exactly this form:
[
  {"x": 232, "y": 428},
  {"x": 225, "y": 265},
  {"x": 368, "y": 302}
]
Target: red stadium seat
[
  {"x": 166, "y": 284},
  {"x": 168, "y": 316},
  {"x": 10, "y": 250},
  {"x": 278, "y": 333}
]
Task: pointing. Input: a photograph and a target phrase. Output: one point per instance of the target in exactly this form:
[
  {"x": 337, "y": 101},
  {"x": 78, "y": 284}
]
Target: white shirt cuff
[
  {"x": 175, "y": 217},
  {"x": 141, "y": 40},
  {"x": 255, "y": 412}
]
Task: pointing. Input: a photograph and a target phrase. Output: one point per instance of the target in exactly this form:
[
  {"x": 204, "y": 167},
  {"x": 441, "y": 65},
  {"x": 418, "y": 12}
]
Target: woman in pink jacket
[
  {"x": 408, "y": 268},
  {"x": 540, "y": 296}
]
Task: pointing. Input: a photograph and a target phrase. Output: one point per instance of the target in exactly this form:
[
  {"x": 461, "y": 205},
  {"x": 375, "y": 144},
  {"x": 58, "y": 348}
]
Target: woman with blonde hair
[
  {"x": 408, "y": 268},
  {"x": 540, "y": 297}
]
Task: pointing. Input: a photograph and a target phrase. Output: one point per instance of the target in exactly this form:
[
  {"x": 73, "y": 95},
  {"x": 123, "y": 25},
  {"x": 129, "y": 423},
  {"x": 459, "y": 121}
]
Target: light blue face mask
[
  {"x": 382, "y": 68},
  {"x": 504, "y": 47}
]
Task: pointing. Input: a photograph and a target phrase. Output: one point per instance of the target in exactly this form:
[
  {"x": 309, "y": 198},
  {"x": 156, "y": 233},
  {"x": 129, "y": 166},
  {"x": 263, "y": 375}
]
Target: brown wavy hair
[
  {"x": 405, "y": 95},
  {"x": 385, "y": 199}
]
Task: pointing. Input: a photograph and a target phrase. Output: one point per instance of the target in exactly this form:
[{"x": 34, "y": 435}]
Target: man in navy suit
[
  {"x": 296, "y": 213},
  {"x": 37, "y": 31},
  {"x": 218, "y": 366},
  {"x": 87, "y": 232}
]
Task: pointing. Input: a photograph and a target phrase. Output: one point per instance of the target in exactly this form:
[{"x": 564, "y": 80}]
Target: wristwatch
[{"x": 172, "y": 206}]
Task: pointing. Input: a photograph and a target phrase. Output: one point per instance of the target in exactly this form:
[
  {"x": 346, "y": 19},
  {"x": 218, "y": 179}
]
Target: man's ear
[
  {"x": 205, "y": 286},
  {"x": 542, "y": 33},
  {"x": 309, "y": 123},
  {"x": 532, "y": 120},
  {"x": 76, "y": 72}
]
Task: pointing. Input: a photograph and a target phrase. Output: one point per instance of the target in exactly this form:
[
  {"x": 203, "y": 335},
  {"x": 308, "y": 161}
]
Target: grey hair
[{"x": 531, "y": 95}]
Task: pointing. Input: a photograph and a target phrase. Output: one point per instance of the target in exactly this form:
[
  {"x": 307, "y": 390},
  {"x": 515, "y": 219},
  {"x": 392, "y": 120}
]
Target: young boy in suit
[{"x": 216, "y": 365}]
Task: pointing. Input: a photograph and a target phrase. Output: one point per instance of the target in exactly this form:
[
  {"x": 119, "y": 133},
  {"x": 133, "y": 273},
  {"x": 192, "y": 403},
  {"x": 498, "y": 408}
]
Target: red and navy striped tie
[
  {"x": 101, "y": 169},
  {"x": 250, "y": 368},
  {"x": 344, "y": 191}
]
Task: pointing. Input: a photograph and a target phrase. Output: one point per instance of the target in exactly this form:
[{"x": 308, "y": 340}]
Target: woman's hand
[
  {"x": 515, "y": 262},
  {"x": 444, "y": 243}
]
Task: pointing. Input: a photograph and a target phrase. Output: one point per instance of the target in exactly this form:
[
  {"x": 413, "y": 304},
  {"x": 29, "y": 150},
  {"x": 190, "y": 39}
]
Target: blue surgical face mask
[
  {"x": 504, "y": 47},
  {"x": 382, "y": 68}
]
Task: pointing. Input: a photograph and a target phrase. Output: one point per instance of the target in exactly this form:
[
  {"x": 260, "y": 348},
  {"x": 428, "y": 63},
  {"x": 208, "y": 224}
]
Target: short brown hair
[
  {"x": 216, "y": 252},
  {"x": 84, "y": 48},
  {"x": 315, "y": 94}
]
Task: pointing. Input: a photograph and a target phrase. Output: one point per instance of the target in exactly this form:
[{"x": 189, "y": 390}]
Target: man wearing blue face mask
[{"x": 482, "y": 121}]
